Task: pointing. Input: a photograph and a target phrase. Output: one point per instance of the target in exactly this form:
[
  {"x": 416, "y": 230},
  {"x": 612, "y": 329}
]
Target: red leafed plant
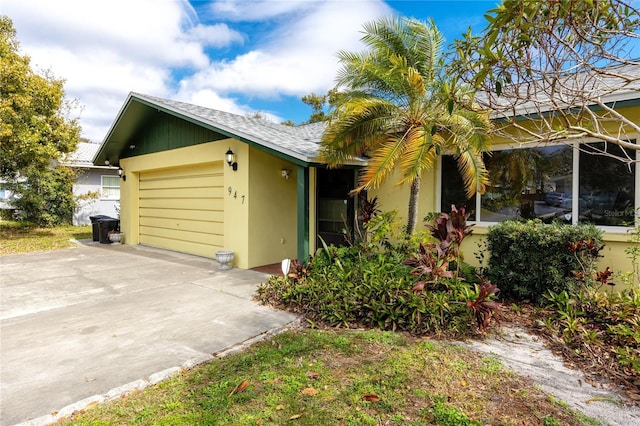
[
  {"x": 483, "y": 309},
  {"x": 368, "y": 209},
  {"x": 603, "y": 277},
  {"x": 430, "y": 263},
  {"x": 298, "y": 271},
  {"x": 451, "y": 227},
  {"x": 586, "y": 252}
]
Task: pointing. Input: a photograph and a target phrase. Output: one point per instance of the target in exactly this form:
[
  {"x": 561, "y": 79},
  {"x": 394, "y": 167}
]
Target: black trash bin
[
  {"x": 105, "y": 226},
  {"x": 96, "y": 226}
]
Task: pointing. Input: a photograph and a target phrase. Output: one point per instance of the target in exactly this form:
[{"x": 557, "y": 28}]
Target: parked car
[{"x": 553, "y": 198}]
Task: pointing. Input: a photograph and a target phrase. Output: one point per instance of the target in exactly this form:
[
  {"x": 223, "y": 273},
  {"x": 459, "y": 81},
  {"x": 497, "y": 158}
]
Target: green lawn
[
  {"x": 20, "y": 237},
  {"x": 330, "y": 377}
]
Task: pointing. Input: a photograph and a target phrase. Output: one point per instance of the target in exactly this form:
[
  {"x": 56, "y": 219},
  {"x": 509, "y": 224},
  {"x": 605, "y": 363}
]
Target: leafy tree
[
  {"x": 318, "y": 103},
  {"x": 35, "y": 130},
  {"x": 394, "y": 107},
  {"x": 560, "y": 62},
  {"x": 47, "y": 196}
]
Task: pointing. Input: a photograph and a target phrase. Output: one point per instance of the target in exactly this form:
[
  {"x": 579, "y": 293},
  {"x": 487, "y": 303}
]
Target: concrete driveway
[{"x": 92, "y": 322}]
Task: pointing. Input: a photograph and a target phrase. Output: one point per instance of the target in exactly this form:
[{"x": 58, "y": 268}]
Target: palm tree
[{"x": 395, "y": 108}]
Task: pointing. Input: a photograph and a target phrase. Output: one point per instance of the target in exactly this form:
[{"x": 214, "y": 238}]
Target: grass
[
  {"x": 21, "y": 237},
  {"x": 339, "y": 377}
]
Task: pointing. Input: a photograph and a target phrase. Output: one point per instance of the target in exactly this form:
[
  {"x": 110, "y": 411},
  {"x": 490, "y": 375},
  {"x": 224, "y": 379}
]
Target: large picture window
[
  {"x": 549, "y": 184},
  {"x": 110, "y": 187},
  {"x": 607, "y": 187}
]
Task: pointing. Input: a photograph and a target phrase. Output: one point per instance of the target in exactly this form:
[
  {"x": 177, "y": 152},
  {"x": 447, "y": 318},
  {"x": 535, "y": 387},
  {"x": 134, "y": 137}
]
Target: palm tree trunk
[{"x": 412, "y": 217}]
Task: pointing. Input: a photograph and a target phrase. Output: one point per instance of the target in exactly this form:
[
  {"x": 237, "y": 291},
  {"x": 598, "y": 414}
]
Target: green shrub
[
  {"x": 46, "y": 197},
  {"x": 602, "y": 328},
  {"x": 409, "y": 285},
  {"x": 352, "y": 289},
  {"x": 527, "y": 259}
]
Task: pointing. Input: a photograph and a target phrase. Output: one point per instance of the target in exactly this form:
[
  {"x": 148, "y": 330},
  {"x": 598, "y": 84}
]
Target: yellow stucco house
[{"x": 198, "y": 180}]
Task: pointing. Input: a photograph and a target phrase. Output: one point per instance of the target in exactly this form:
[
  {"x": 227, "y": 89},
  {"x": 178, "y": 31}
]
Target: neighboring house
[
  {"x": 6, "y": 197},
  {"x": 275, "y": 198},
  {"x": 97, "y": 186}
]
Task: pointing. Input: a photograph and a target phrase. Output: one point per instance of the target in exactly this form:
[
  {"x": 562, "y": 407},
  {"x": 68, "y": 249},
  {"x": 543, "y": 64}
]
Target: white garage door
[{"x": 182, "y": 209}]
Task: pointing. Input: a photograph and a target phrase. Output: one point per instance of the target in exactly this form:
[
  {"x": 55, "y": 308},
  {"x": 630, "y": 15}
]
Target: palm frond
[
  {"x": 358, "y": 126},
  {"x": 420, "y": 153},
  {"x": 473, "y": 172},
  {"x": 381, "y": 164}
]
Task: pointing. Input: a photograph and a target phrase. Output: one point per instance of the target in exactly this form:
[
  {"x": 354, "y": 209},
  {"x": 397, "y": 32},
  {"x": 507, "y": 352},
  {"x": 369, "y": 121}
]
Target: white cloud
[
  {"x": 297, "y": 58},
  {"x": 218, "y": 35},
  {"x": 256, "y": 10},
  {"x": 104, "y": 50}
]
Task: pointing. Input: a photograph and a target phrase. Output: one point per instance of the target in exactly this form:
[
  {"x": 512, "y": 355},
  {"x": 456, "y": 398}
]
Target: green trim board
[
  {"x": 139, "y": 112},
  {"x": 303, "y": 213}
]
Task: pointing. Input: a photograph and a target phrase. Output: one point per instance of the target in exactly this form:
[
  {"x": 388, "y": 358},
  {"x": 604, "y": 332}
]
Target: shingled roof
[
  {"x": 83, "y": 156},
  {"x": 300, "y": 143}
]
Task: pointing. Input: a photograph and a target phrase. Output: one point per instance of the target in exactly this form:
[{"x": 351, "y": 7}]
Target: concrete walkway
[{"x": 89, "y": 323}]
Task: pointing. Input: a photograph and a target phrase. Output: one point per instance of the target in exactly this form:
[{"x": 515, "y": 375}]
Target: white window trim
[{"x": 102, "y": 186}]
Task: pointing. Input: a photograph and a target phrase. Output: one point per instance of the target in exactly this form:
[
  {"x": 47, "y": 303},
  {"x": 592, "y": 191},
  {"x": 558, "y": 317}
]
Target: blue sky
[{"x": 241, "y": 56}]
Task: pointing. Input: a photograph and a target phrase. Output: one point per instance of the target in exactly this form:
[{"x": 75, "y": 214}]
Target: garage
[{"x": 182, "y": 208}]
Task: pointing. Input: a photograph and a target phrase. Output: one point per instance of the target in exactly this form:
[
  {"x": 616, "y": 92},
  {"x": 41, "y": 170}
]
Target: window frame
[{"x": 103, "y": 186}]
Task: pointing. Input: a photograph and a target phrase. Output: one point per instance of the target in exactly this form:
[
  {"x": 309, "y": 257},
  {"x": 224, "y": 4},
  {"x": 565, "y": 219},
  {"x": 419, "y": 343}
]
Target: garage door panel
[
  {"x": 205, "y": 250},
  {"x": 183, "y": 203},
  {"x": 197, "y": 215},
  {"x": 208, "y": 192},
  {"x": 213, "y": 180},
  {"x": 204, "y": 227},
  {"x": 191, "y": 170},
  {"x": 182, "y": 209},
  {"x": 179, "y": 235}
]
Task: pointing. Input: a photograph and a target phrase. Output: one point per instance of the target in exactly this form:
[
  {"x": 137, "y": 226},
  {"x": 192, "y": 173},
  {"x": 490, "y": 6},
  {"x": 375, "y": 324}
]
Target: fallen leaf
[
  {"x": 242, "y": 386},
  {"x": 89, "y": 379},
  {"x": 371, "y": 397},
  {"x": 279, "y": 407},
  {"x": 313, "y": 374},
  {"x": 463, "y": 383},
  {"x": 92, "y": 404},
  {"x": 259, "y": 422},
  {"x": 310, "y": 391},
  {"x": 634, "y": 396},
  {"x": 295, "y": 416}
]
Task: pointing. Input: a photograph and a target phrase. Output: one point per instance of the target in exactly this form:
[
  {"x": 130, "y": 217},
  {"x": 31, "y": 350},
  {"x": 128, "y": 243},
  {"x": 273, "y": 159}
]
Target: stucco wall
[
  {"x": 89, "y": 180},
  {"x": 238, "y": 201},
  {"x": 392, "y": 197},
  {"x": 273, "y": 214}
]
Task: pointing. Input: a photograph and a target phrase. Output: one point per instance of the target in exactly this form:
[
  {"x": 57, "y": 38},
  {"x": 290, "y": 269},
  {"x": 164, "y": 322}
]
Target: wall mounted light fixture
[
  {"x": 231, "y": 159},
  {"x": 121, "y": 173},
  {"x": 285, "y": 173}
]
